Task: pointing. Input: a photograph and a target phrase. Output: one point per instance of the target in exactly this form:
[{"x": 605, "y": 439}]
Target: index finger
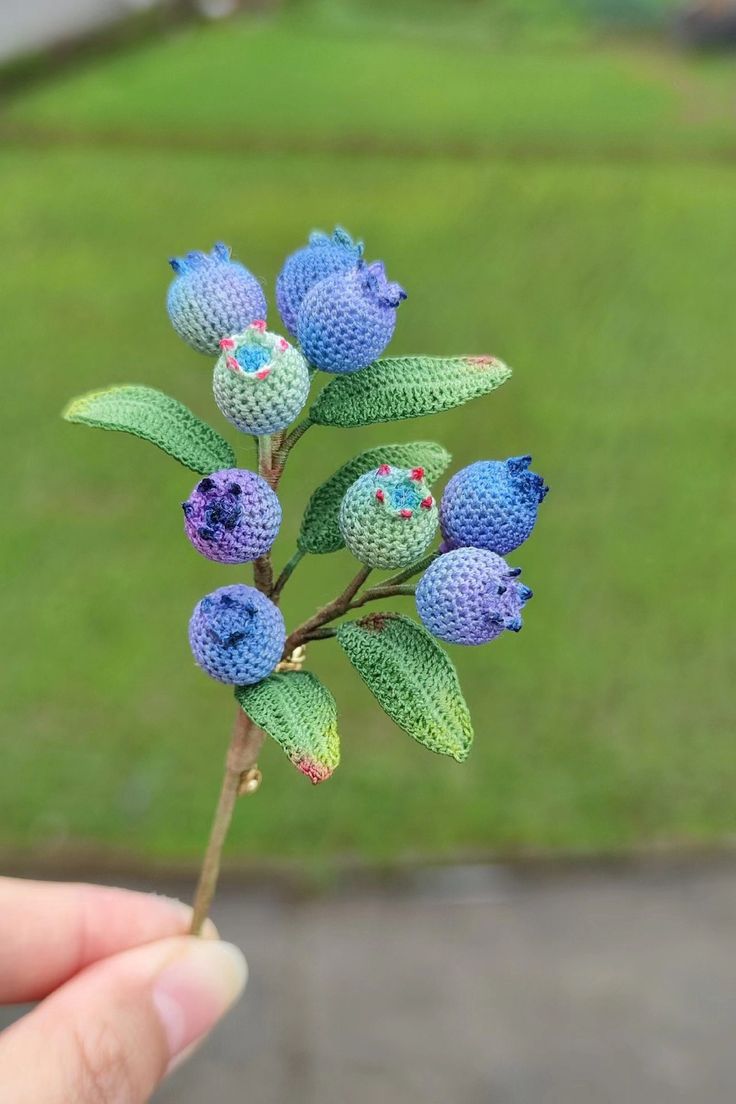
[{"x": 50, "y": 931}]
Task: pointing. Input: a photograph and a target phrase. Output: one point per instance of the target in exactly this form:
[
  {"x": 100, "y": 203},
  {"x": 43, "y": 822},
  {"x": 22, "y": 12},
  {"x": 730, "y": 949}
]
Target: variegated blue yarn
[
  {"x": 322, "y": 257},
  {"x": 470, "y": 596},
  {"x": 232, "y": 516},
  {"x": 388, "y": 517},
  {"x": 491, "y": 504},
  {"x": 237, "y": 635},
  {"x": 346, "y": 321},
  {"x": 212, "y": 297}
]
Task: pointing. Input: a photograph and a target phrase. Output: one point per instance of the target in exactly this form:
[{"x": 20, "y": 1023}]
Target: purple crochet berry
[
  {"x": 491, "y": 504},
  {"x": 470, "y": 596},
  {"x": 322, "y": 257},
  {"x": 346, "y": 321},
  {"x": 232, "y": 516},
  {"x": 212, "y": 297},
  {"x": 237, "y": 635}
]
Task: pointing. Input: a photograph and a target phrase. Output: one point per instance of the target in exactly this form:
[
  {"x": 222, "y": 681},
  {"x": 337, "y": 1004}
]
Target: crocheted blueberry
[
  {"x": 470, "y": 596},
  {"x": 232, "y": 516},
  {"x": 261, "y": 382},
  {"x": 322, "y": 257},
  {"x": 388, "y": 517},
  {"x": 212, "y": 297},
  {"x": 237, "y": 635},
  {"x": 347, "y": 320},
  {"x": 491, "y": 504}
]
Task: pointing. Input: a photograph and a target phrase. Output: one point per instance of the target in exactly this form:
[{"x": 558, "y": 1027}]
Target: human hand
[{"x": 125, "y": 993}]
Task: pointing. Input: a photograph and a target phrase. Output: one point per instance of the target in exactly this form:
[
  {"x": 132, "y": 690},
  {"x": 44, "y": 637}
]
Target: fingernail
[
  {"x": 196, "y": 989},
  {"x": 184, "y": 911}
]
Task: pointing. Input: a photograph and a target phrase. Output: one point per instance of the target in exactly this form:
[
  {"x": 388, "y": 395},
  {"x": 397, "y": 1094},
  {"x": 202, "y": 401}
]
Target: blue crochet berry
[
  {"x": 322, "y": 257},
  {"x": 261, "y": 382},
  {"x": 388, "y": 517},
  {"x": 212, "y": 297},
  {"x": 237, "y": 635},
  {"x": 232, "y": 516},
  {"x": 470, "y": 596},
  {"x": 346, "y": 321},
  {"x": 491, "y": 504}
]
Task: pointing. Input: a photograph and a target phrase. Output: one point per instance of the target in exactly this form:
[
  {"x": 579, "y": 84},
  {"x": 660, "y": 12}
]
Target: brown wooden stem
[{"x": 242, "y": 754}]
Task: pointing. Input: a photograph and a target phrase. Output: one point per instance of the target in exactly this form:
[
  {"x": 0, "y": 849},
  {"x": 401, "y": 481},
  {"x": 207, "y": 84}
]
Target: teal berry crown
[{"x": 380, "y": 504}]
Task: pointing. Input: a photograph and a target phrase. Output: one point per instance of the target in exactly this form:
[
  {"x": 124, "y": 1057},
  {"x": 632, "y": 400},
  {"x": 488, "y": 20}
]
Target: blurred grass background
[{"x": 547, "y": 192}]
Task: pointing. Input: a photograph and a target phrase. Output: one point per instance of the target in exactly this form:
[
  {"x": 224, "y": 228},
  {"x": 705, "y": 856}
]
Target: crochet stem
[
  {"x": 242, "y": 754},
  {"x": 333, "y": 609},
  {"x": 265, "y": 458},
  {"x": 297, "y": 432},
  {"x": 416, "y": 569},
  {"x": 286, "y": 573},
  {"x": 262, "y": 567},
  {"x": 378, "y": 592}
]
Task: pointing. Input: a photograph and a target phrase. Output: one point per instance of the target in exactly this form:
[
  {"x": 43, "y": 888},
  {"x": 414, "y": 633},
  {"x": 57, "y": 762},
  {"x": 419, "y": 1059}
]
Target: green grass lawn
[{"x": 606, "y": 283}]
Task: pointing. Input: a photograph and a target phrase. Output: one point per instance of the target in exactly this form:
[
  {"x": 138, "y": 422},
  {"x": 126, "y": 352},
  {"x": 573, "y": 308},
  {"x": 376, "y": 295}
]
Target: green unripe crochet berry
[
  {"x": 261, "y": 381},
  {"x": 388, "y": 517}
]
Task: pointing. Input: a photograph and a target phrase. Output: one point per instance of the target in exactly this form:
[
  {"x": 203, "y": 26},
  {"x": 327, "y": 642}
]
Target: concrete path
[
  {"x": 27, "y": 25},
  {"x": 483, "y": 986}
]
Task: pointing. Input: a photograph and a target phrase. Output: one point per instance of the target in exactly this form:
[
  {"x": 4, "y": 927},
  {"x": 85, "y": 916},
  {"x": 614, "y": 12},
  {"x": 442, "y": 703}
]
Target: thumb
[{"x": 109, "y": 1035}]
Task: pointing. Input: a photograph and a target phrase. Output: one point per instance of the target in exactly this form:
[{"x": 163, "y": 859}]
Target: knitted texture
[
  {"x": 347, "y": 320},
  {"x": 320, "y": 528},
  {"x": 300, "y": 714},
  {"x": 157, "y": 418},
  {"x": 406, "y": 387},
  {"x": 389, "y": 517},
  {"x": 237, "y": 635},
  {"x": 211, "y": 297},
  {"x": 322, "y": 257},
  {"x": 491, "y": 504},
  {"x": 470, "y": 596},
  {"x": 261, "y": 382},
  {"x": 232, "y": 516},
  {"x": 412, "y": 679}
]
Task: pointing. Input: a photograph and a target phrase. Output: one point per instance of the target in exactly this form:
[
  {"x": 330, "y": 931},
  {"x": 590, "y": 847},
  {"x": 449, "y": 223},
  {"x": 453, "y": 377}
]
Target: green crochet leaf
[
  {"x": 300, "y": 713},
  {"x": 412, "y": 678},
  {"x": 406, "y": 387},
  {"x": 158, "y": 418},
  {"x": 320, "y": 531}
]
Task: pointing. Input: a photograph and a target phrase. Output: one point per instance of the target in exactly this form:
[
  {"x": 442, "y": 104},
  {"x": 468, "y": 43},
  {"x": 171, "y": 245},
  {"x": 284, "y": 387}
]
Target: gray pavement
[
  {"x": 482, "y": 985},
  {"x": 27, "y": 25}
]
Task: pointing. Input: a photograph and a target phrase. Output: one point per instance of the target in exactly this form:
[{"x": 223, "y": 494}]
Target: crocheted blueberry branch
[{"x": 380, "y": 504}]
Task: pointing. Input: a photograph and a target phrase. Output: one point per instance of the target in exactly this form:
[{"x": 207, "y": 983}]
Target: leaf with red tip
[
  {"x": 406, "y": 387},
  {"x": 412, "y": 679},
  {"x": 300, "y": 714},
  {"x": 320, "y": 530}
]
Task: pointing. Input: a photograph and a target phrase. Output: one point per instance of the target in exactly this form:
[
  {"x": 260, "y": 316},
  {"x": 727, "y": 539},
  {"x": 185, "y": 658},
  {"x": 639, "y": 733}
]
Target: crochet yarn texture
[
  {"x": 346, "y": 321},
  {"x": 388, "y": 517},
  {"x": 322, "y": 257},
  {"x": 260, "y": 382},
  {"x": 491, "y": 504},
  {"x": 232, "y": 516},
  {"x": 237, "y": 635},
  {"x": 212, "y": 297},
  {"x": 470, "y": 596}
]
